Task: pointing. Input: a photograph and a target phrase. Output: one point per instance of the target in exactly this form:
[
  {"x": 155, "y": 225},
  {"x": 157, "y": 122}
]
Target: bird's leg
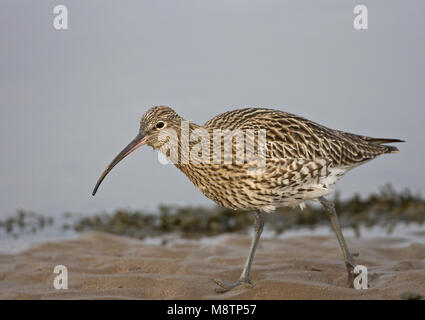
[
  {"x": 348, "y": 258},
  {"x": 244, "y": 278}
]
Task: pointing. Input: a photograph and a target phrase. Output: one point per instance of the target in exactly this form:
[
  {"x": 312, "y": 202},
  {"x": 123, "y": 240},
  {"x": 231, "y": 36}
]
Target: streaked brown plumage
[{"x": 303, "y": 161}]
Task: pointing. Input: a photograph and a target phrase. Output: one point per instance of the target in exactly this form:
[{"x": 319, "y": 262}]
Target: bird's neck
[{"x": 184, "y": 144}]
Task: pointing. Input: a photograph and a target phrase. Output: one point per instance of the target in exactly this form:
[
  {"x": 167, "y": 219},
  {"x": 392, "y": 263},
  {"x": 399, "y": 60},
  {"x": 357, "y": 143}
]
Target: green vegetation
[
  {"x": 24, "y": 222},
  {"x": 386, "y": 208}
]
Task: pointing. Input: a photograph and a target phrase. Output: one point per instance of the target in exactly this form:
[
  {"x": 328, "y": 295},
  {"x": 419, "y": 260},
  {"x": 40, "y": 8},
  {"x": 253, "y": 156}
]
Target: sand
[{"x": 104, "y": 266}]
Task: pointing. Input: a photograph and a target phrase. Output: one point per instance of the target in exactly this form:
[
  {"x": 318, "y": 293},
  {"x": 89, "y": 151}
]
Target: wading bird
[{"x": 304, "y": 160}]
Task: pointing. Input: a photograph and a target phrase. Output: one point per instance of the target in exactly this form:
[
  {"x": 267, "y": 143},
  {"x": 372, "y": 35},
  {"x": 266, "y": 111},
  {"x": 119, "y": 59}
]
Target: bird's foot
[
  {"x": 227, "y": 287},
  {"x": 350, "y": 271}
]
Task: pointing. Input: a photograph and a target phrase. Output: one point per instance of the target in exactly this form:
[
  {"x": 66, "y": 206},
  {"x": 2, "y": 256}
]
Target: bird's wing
[{"x": 289, "y": 135}]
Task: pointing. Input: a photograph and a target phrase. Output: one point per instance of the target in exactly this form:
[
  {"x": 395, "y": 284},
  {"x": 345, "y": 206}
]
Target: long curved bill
[{"x": 137, "y": 142}]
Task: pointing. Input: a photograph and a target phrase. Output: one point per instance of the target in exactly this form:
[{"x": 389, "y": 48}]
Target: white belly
[{"x": 313, "y": 188}]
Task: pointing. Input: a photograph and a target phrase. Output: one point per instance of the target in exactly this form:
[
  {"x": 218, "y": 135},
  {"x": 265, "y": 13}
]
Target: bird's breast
[{"x": 281, "y": 183}]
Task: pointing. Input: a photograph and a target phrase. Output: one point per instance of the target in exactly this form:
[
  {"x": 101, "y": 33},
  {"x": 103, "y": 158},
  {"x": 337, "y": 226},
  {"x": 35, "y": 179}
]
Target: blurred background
[{"x": 70, "y": 100}]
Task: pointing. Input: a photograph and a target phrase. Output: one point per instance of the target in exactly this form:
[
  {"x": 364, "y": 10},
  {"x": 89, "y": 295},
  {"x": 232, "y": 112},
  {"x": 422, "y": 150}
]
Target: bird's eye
[{"x": 160, "y": 124}]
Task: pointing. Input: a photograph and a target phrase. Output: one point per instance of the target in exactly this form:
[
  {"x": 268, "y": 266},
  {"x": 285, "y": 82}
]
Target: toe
[
  {"x": 222, "y": 290},
  {"x": 227, "y": 287},
  {"x": 219, "y": 283}
]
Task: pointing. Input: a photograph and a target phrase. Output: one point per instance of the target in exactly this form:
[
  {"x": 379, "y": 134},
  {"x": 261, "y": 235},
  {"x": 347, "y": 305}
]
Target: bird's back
[{"x": 289, "y": 135}]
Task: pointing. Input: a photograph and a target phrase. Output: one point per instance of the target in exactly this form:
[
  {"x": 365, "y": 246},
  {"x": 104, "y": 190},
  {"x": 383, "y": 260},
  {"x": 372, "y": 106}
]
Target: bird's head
[{"x": 153, "y": 122}]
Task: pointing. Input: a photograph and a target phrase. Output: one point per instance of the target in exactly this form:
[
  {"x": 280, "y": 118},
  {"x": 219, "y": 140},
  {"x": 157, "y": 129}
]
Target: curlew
[{"x": 303, "y": 161}]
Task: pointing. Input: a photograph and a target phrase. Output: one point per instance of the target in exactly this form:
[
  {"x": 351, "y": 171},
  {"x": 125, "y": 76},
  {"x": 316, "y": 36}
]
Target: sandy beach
[{"x": 103, "y": 266}]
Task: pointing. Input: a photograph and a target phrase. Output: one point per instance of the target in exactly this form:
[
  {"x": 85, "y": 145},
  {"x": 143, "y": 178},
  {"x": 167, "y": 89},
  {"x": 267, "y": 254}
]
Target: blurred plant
[{"x": 387, "y": 208}]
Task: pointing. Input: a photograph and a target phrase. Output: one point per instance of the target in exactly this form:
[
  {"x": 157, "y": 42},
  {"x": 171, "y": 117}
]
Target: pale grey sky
[{"x": 70, "y": 100}]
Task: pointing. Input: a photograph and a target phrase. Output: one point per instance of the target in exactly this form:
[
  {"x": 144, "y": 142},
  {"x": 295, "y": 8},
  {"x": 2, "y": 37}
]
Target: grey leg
[
  {"x": 349, "y": 261},
  {"x": 244, "y": 278}
]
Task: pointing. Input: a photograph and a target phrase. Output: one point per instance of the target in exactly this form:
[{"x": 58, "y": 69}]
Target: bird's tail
[
  {"x": 383, "y": 142},
  {"x": 375, "y": 141}
]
